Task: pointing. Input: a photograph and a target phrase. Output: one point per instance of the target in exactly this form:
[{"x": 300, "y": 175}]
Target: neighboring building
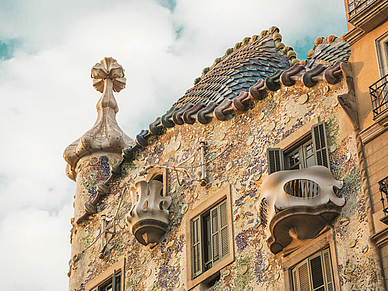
[
  {"x": 251, "y": 181},
  {"x": 368, "y": 37}
]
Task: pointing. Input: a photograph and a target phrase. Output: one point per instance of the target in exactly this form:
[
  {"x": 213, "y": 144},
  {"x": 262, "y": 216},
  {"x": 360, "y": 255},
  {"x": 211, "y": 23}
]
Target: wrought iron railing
[
  {"x": 379, "y": 96},
  {"x": 356, "y": 6},
  {"x": 383, "y": 186}
]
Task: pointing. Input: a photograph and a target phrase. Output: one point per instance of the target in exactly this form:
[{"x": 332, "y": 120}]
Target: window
[
  {"x": 314, "y": 273},
  {"x": 381, "y": 44},
  {"x": 209, "y": 237},
  {"x": 311, "y": 150},
  {"x": 112, "y": 284},
  {"x": 110, "y": 280},
  {"x": 298, "y": 265},
  {"x": 209, "y": 234}
]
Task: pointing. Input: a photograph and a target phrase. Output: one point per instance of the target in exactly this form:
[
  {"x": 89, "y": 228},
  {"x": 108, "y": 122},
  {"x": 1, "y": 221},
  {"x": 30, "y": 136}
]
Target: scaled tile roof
[
  {"x": 328, "y": 51},
  {"x": 238, "y": 71}
]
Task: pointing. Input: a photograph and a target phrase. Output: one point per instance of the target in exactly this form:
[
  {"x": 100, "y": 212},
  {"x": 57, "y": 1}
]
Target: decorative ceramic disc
[
  {"x": 277, "y": 275},
  {"x": 178, "y": 145},
  {"x": 272, "y": 125},
  {"x": 250, "y": 140},
  {"x": 352, "y": 243},
  {"x": 264, "y": 265},
  {"x": 243, "y": 269},
  {"x": 304, "y": 99},
  {"x": 344, "y": 221},
  {"x": 350, "y": 268},
  {"x": 184, "y": 208}
]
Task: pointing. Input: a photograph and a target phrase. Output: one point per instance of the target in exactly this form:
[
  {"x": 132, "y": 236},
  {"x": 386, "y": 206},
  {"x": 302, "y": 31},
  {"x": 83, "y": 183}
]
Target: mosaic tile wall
[{"x": 236, "y": 154}]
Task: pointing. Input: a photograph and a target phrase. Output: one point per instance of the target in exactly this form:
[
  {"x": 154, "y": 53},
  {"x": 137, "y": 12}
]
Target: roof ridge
[
  {"x": 331, "y": 40},
  {"x": 276, "y": 36}
]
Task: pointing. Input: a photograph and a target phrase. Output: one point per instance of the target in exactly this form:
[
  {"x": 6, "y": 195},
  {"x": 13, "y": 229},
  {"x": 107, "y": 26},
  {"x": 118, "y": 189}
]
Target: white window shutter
[
  {"x": 275, "y": 160},
  {"x": 318, "y": 132}
]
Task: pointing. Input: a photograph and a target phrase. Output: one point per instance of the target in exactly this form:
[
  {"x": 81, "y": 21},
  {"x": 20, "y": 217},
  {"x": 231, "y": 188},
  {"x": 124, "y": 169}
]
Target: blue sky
[{"x": 46, "y": 51}]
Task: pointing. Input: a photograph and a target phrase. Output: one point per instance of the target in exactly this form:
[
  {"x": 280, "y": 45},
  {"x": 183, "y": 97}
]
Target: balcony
[
  {"x": 367, "y": 14},
  {"x": 383, "y": 187},
  {"x": 298, "y": 205},
  {"x": 379, "y": 97}
]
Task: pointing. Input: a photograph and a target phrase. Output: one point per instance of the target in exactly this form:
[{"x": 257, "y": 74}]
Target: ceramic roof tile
[
  {"x": 237, "y": 72},
  {"x": 329, "y": 53}
]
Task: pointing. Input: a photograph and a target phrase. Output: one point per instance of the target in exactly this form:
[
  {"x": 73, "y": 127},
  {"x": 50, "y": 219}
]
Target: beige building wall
[{"x": 366, "y": 72}]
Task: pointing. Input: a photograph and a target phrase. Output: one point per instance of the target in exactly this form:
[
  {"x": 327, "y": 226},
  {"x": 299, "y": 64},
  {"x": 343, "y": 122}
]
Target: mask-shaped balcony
[
  {"x": 298, "y": 205},
  {"x": 148, "y": 217}
]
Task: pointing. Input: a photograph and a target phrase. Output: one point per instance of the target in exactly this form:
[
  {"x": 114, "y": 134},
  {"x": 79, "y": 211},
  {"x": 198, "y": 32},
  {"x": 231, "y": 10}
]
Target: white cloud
[
  {"x": 48, "y": 100},
  {"x": 34, "y": 250}
]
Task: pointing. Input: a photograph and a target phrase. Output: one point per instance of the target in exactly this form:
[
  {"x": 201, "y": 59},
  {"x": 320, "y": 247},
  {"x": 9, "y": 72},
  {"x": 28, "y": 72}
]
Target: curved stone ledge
[{"x": 290, "y": 228}]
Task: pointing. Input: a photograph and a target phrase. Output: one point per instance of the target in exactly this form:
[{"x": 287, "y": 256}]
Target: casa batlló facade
[{"x": 251, "y": 181}]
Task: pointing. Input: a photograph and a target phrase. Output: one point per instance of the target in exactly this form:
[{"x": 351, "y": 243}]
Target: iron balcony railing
[
  {"x": 379, "y": 96},
  {"x": 357, "y": 6},
  {"x": 383, "y": 186}
]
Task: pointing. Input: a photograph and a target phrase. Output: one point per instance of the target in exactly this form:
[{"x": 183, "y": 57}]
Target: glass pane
[
  {"x": 309, "y": 149},
  {"x": 317, "y": 272},
  {"x": 118, "y": 282},
  {"x": 310, "y": 161},
  {"x": 294, "y": 161},
  {"x": 207, "y": 251}
]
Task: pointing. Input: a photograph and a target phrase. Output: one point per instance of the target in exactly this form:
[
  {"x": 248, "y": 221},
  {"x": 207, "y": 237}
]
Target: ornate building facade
[
  {"x": 255, "y": 179},
  {"x": 368, "y": 37}
]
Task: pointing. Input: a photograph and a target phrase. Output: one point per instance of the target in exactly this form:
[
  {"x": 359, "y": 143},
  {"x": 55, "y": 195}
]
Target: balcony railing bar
[
  {"x": 383, "y": 185},
  {"x": 379, "y": 96},
  {"x": 356, "y": 6}
]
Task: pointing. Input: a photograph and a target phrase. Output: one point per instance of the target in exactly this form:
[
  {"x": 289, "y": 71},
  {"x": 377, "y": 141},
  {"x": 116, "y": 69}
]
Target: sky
[{"x": 47, "y": 49}]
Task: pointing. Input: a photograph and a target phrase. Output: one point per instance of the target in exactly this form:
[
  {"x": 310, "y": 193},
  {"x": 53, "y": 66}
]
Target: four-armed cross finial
[{"x": 108, "y": 71}]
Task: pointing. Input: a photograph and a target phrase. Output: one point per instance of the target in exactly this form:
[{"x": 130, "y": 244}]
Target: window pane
[
  {"x": 310, "y": 161},
  {"x": 309, "y": 149},
  {"x": 207, "y": 251},
  {"x": 317, "y": 272}
]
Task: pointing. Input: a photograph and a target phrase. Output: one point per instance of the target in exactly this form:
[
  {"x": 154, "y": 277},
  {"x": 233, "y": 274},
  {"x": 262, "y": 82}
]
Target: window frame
[
  {"x": 381, "y": 45},
  {"x": 104, "y": 277},
  {"x": 215, "y": 200},
  {"x": 323, "y": 268},
  {"x": 313, "y": 132},
  {"x": 309, "y": 249}
]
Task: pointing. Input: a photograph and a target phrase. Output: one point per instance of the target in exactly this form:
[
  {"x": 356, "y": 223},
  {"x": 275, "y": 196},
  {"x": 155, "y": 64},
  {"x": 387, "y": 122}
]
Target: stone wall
[{"x": 235, "y": 155}]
